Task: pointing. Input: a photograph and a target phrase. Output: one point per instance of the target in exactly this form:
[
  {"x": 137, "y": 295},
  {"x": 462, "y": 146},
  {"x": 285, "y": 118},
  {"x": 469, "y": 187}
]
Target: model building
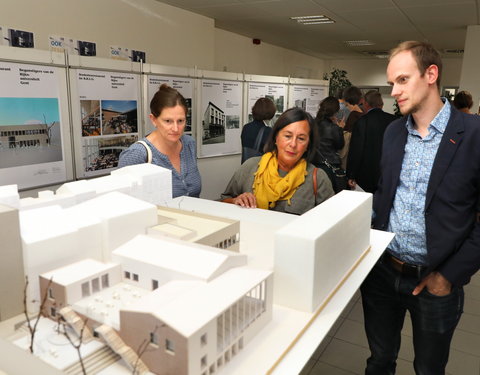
[{"x": 149, "y": 293}]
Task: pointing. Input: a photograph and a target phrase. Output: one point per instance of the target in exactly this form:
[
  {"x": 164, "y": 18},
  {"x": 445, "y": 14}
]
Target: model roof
[
  {"x": 198, "y": 261},
  {"x": 77, "y": 271},
  {"x": 113, "y": 204},
  {"x": 207, "y": 299}
]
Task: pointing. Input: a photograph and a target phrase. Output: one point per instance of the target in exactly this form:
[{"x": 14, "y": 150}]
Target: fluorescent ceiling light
[
  {"x": 312, "y": 20},
  {"x": 357, "y": 43}
]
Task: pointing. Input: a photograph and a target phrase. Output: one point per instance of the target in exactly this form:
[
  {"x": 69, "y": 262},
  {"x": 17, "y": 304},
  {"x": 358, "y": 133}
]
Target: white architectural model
[
  {"x": 11, "y": 265},
  {"x": 9, "y": 196},
  {"x": 147, "y": 182},
  {"x": 196, "y": 315},
  {"x": 110, "y": 260},
  {"x": 199, "y": 228},
  {"x": 55, "y": 237},
  {"x": 314, "y": 253}
]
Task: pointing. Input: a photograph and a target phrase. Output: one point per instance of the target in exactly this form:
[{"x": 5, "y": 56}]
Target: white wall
[
  {"x": 237, "y": 53},
  {"x": 470, "y": 79},
  {"x": 169, "y": 35}
]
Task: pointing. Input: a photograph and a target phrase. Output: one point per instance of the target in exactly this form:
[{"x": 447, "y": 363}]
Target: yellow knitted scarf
[{"x": 269, "y": 187}]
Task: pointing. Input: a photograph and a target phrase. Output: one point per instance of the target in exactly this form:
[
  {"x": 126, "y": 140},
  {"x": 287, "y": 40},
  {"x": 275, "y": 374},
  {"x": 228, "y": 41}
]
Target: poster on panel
[
  {"x": 274, "y": 91},
  {"x": 109, "y": 118},
  {"x": 183, "y": 85},
  {"x": 307, "y": 97},
  {"x": 221, "y": 113},
  {"x": 31, "y": 138}
]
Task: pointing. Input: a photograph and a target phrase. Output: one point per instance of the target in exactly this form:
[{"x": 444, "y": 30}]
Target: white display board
[
  {"x": 218, "y": 128},
  {"x": 184, "y": 85},
  {"x": 106, "y": 118},
  {"x": 307, "y": 97},
  {"x": 277, "y": 92},
  {"x": 33, "y": 124}
]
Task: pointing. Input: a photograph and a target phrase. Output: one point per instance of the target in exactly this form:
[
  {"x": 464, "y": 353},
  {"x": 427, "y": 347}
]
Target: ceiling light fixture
[
  {"x": 312, "y": 20},
  {"x": 358, "y": 43}
]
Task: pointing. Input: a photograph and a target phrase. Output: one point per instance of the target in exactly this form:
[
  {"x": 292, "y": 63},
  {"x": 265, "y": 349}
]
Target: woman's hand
[
  {"x": 340, "y": 122},
  {"x": 245, "y": 200}
]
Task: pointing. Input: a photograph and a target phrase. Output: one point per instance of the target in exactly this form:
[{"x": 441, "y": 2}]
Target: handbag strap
[
  {"x": 149, "y": 152},
  {"x": 315, "y": 182},
  {"x": 256, "y": 146}
]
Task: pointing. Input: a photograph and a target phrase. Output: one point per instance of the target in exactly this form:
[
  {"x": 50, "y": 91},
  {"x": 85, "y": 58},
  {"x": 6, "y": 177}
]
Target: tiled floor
[{"x": 345, "y": 349}]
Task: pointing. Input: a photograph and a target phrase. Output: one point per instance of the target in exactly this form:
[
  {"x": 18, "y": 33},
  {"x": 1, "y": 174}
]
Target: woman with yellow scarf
[{"x": 282, "y": 179}]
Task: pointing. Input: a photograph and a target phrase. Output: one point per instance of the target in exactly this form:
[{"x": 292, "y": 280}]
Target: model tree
[
  {"x": 32, "y": 328},
  {"x": 77, "y": 345}
]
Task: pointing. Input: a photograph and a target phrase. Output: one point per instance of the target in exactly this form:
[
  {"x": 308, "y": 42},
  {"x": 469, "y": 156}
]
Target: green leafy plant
[{"x": 338, "y": 80}]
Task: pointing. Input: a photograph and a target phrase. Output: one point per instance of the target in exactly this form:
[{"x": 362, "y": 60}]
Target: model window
[
  {"x": 127, "y": 275},
  {"x": 203, "y": 361},
  {"x": 169, "y": 346},
  {"x": 105, "y": 281},
  {"x": 95, "y": 285},
  {"x": 203, "y": 339},
  {"x": 85, "y": 289},
  {"x": 154, "y": 284},
  {"x": 135, "y": 277},
  {"x": 153, "y": 338},
  {"x": 53, "y": 312},
  {"x": 50, "y": 293}
]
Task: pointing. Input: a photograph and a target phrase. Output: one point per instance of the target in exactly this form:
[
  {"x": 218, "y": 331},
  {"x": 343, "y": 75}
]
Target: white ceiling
[{"x": 385, "y": 22}]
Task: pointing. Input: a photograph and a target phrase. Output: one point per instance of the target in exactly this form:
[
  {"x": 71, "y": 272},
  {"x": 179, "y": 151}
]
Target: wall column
[{"x": 470, "y": 76}]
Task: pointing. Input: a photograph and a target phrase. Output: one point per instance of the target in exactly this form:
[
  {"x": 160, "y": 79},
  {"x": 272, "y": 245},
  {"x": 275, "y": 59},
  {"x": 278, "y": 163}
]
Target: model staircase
[
  {"x": 94, "y": 362},
  {"x": 118, "y": 346},
  {"x": 77, "y": 323}
]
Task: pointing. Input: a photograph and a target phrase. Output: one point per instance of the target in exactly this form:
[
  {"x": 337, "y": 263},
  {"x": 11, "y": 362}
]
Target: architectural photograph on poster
[
  {"x": 139, "y": 56},
  {"x": 119, "y": 116},
  {"x": 29, "y": 131},
  {"x": 19, "y": 38},
  {"x": 90, "y": 110},
  {"x": 213, "y": 125},
  {"x": 102, "y": 153},
  {"x": 86, "y": 48}
]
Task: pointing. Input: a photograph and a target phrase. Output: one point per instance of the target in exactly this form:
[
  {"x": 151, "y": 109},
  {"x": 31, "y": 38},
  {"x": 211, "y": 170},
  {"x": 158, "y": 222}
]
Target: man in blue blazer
[{"x": 427, "y": 196}]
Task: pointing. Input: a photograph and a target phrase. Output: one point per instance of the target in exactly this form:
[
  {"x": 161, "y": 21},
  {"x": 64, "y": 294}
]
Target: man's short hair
[
  {"x": 374, "y": 99},
  {"x": 352, "y": 95},
  {"x": 423, "y": 53}
]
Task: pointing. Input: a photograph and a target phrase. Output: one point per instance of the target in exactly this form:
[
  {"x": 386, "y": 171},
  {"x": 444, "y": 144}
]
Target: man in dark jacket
[
  {"x": 363, "y": 163},
  {"x": 428, "y": 196}
]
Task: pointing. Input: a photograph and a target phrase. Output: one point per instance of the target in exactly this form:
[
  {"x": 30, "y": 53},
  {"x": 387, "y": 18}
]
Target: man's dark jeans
[{"x": 386, "y": 296}]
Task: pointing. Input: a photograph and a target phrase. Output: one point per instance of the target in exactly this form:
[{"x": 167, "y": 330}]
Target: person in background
[
  {"x": 282, "y": 179},
  {"x": 363, "y": 166},
  {"x": 353, "y": 97},
  {"x": 255, "y": 134},
  {"x": 463, "y": 101},
  {"x": 427, "y": 195},
  {"x": 344, "y": 110},
  {"x": 330, "y": 141},
  {"x": 169, "y": 147}
]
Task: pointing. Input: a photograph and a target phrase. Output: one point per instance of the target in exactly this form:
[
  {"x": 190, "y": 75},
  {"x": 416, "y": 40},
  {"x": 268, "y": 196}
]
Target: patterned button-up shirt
[{"x": 407, "y": 217}]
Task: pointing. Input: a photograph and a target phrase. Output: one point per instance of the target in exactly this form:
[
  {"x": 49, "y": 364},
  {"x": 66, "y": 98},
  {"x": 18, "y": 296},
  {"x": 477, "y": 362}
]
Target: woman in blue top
[{"x": 170, "y": 148}]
